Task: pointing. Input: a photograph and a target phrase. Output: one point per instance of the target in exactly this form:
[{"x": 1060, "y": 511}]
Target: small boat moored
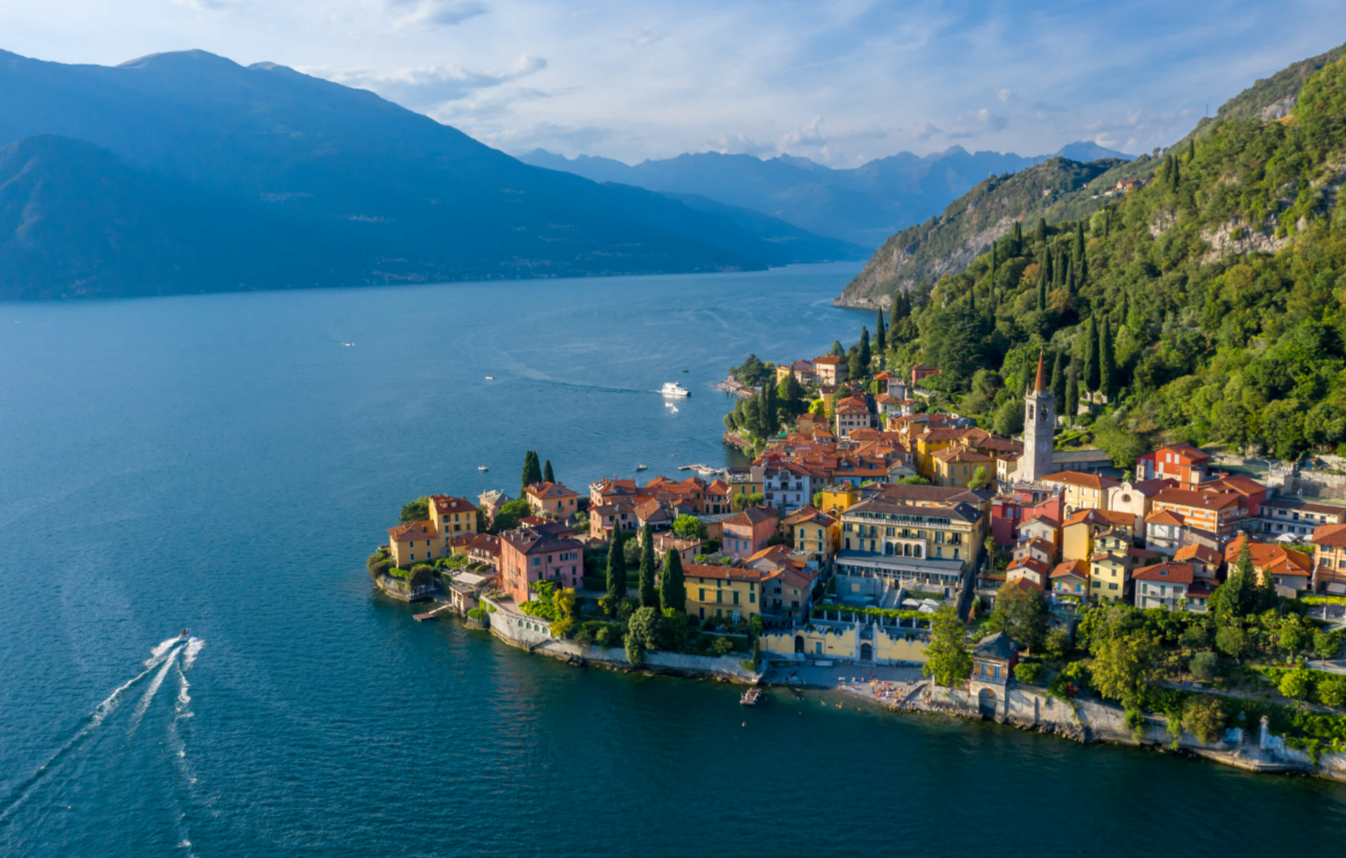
[{"x": 750, "y": 697}]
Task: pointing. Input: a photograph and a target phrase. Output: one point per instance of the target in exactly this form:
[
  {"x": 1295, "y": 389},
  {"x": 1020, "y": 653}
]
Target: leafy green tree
[
  {"x": 1232, "y": 641},
  {"x": 1332, "y": 690},
  {"x": 1291, "y": 638},
  {"x": 1126, "y": 666},
  {"x": 421, "y": 576},
  {"x": 1021, "y": 614},
  {"x": 417, "y": 510},
  {"x": 1204, "y": 667},
  {"x": 649, "y": 597},
  {"x": 548, "y": 475},
  {"x": 1092, "y": 369},
  {"x": 1030, "y": 673},
  {"x": 1009, "y": 417},
  {"x": 836, "y": 350},
  {"x": 1195, "y": 637},
  {"x": 509, "y": 515},
  {"x": 616, "y": 568},
  {"x": 676, "y": 628},
  {"x": 948, "y": 655},
  {"x": 722, "y": 646},
  {"x": 647, "y": 627},
  {"x": 1204, "y": 718},
  {"x": 1326, "y": 645},
  {"x": 689, "y": 527},
  {"x": 1058, "y": 645},
  {"x": 1297, "y": 684},
  {"x": 980, "y": 479},
  {"x": 672, "y": 589}
]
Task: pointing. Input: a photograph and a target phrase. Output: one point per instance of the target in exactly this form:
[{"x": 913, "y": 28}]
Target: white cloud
[
  {"x": 430, "y": 86},
  {"x": 411, "y": 14}
]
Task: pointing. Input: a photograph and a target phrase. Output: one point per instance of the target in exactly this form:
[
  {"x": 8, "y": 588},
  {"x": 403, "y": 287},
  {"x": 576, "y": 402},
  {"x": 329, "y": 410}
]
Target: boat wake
[{"x": 162, "y": 658}]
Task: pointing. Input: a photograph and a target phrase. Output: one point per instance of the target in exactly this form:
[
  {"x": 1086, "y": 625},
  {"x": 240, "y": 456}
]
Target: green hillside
[{"x": 1206, "y": 306}]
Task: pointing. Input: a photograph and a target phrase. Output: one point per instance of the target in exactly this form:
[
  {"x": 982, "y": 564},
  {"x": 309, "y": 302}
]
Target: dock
[{"x": 430, "y": 615}]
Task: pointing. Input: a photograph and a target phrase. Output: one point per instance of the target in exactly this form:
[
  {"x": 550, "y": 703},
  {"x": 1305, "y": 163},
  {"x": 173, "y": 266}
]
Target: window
[
  {"x": 719, "y": 598},
  {"x": 702, "y": 597}
]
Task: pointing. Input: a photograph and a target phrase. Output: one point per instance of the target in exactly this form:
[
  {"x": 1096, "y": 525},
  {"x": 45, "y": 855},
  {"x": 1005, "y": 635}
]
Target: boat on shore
[{"x": 672, "y": 388}]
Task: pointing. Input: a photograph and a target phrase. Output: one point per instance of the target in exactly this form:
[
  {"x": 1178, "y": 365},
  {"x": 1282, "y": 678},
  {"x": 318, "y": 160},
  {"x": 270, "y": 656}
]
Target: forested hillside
[{"x": 1206, "y": 306}]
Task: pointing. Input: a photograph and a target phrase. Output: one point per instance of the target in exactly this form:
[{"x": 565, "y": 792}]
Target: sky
[{"x": 839, "y": 82}]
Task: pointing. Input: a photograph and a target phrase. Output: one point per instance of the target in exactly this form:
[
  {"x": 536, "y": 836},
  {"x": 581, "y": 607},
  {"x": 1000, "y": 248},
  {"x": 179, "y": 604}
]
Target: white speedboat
[
  {"x": 482, "y": 468},
  {"x": 641, "y": 467},
  {"x": 672, "y": 388}
]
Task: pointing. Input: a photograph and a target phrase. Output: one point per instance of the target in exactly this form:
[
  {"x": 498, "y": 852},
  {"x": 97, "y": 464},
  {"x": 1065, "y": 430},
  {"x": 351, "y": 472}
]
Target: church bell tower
[{"x": 1039, "y": 425}]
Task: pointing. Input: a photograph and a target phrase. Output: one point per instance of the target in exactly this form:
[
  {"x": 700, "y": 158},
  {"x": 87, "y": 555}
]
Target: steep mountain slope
[
  {"x": 1208, "y": 306},
  {"x": 405, "y": 198},
  {"x": 919, "y": 255},
  {"x": 947, "y": 244},
  {"x": 863, "y": 205}
]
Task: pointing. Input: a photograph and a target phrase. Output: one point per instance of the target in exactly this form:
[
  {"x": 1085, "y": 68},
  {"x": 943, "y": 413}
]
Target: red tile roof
[
  {"x": 1168, "y": 572},
  {"x": 413, "y": 530},
  {"x": 1330, "y": 535},
  {"x": 445, "y": 504},
  {"x": 1083, "y": 480}
]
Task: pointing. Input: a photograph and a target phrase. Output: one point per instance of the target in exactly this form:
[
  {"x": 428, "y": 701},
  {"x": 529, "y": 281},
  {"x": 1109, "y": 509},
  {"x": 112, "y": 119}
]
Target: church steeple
[
  {"x": 1039, "y": 425},
  {"x": 1041, "y": 383}
]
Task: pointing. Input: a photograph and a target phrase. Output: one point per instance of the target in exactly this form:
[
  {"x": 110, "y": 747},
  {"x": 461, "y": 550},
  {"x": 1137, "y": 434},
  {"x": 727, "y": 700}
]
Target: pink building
[
  {"x": 746, "y": 533},
  {"x": 528, "y": 556}
]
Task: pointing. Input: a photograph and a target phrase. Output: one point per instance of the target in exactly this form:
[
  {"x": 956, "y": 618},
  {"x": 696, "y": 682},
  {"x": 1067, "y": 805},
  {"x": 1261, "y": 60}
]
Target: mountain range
[
  {"x": 863, "y": 205},
  {"x": 187, "y": 172}
]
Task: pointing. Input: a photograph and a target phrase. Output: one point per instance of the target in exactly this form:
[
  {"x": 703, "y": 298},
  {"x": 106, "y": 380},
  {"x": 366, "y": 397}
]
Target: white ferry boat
[{"x": 672, "y": 388}]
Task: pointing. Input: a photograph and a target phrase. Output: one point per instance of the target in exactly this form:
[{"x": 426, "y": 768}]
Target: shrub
[
  {"x": 479, "y": 614},
  {"x": 1204, "y": 666},
  {"x": 1297, "y": 684},
  {"x": 722, "y": 646},
  {"x": 1332, "y": 690},
  {"x": 635, "y": 653},
  {"x": 1030, "y": 673}
]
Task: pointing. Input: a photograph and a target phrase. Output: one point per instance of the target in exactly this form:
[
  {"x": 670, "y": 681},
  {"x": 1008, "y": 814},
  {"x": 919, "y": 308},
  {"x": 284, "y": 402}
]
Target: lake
[{"x": 224, "y": 462}]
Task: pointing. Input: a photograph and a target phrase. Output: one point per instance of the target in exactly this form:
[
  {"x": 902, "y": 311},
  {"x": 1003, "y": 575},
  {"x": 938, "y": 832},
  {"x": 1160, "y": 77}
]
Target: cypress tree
[
  {"x": 901, "y": 307},
  {"x": 672, "y": 591},
  {"x": 1083, "y": 275},
  {"x": 1090, "y": 379},
  {"x": 1042, "y": 291},
  {"x": 1018, "y": 238},
  {"x": 1079, "y": 240},
  {"x": 616, "y": 567},
  {"x": 1069, "y": 279},
  {"x": 862, "y": 357},
  {"x": 1042, "y": 231},
  {"x": 1070, "y": 406},
  {"x": 1191, "y": 150},
  {"x": 1059, "y": 381},
  {"x": 1177, "y": 175},
  {"x": 548, "y": 475},
  {"x": 972, "y": 298},
  {"x": 994, "y": 252},
  {"x": 649, "y": 597},
  {"x": 1048, "y": 268},
  {"x": 1107, "y": 222},
  {"x": 880, "y": 337},
  {"x": 532, "y": 471},
  {"x": 1126, "y": 308},
  {"x": 1107, "y": 364}
]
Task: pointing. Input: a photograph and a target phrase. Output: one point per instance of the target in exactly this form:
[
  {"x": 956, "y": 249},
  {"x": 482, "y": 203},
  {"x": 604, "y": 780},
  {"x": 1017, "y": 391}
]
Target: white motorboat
[
  {"x": 672, "y": 388},
  {"x": 482, "y": 468},
  {"x": 642, "y": 467}
]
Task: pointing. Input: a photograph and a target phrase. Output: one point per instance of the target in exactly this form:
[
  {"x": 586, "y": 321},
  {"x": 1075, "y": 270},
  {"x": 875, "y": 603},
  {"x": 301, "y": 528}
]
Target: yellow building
[
  {"x": 723, "y": 591},
  {"x": 816, "y": 534},
  {"x": 1081, "y": 491},
  {"x": 743, "y": 481},
  {"x": 415, "y": 542},
  {"x": 1112, "y": 563},
  {"x": 839, "y": 497},
  {"x": 453, "y": 516},
  {"x": 850, "y": 640},
  {"x": 1078, "y": 531},
  {"x": 956, "y": 466}
]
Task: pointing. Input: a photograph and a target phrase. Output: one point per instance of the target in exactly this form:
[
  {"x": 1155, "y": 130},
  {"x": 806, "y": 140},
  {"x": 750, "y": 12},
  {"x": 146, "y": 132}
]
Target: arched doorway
[
  {"x": 866, "y": 652},
  {"x": 986, "y": 703},
  {"x": 799, "y": 644}
]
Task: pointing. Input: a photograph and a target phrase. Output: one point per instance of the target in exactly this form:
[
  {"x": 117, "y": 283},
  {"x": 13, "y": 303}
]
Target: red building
[
  {"x": 746, "y": 533},
  {"x": 1012, "y": 509},
  {"x": 1181, "y": 462}
]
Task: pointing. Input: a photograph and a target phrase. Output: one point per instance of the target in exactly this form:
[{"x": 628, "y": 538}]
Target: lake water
[{"x": 224, "y": 462}]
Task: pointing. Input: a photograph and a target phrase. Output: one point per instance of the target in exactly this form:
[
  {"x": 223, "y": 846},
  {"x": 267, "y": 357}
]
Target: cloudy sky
[{"x": 839, "y": 82}]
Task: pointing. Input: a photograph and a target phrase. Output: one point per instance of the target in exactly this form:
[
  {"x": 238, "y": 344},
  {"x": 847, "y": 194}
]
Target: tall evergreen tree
[
  {"x": 672, "y": 590},
  {"x": 1191, "y": 150},
  {"x": 1070, "y": 406},
  {"x": 1048, "y": 267},
  {"x": 860, "y": 367},
  {"x": 1126, "y": 309},
  {"x": 1041, "y": 237},
  {"x": 972, "y": 297},
  {"x": 616, "y": 567},
  {"x": 548, "y": 475},
  {"x": 1079, "y": 240},
  {"x": 1059, "y": 381},
  {"x": 1107, "y": 363},
  {"x": 532, "y": 471},
  {"x": 649, "y": 597},
  {"x": 1107, "y": 222},
  {"x": 1018, "y": 238},
  {"x": 994, "y": 252},
  {"x": 1082, "y": 276},
  {"x": 1177, "y": 174},
  {"x": 1069, "y": 280},
  {"x": 1042, "y": 291},
  {"x": 900, "y": 310},
  {"x": 1090, "y": 378},
  {"x": 880, "y": 334}
]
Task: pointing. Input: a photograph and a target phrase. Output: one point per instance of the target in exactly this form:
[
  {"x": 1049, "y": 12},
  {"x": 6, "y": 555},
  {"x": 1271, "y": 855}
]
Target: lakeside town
[{"x": 882, "y": 545}]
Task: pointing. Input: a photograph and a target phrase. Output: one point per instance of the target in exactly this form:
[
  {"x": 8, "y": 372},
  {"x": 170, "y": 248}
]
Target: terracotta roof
[
  {"x": 1187, "y": 451},
  {"x": 750, "y": 516},
  {"x": 1169, "y": 573},
  {"x": 486, "y": 543},
  {"x": 413, "y": 530},
  {"x": 1101, "y": 517},
  {"x": 829, "y": 360},
  {"x": 548, "y": 490},
  {"x": 526, "y": 540},
  {"x": 1198, "y": 553},
  {"x": 1165, "y": 516},
  {"x": 1026, "y": 584},
  {"x": 1266, "y": 555},
  {"x": 1040, "y": 383},
  {"x": 1078, "y": 568},
  {"x": 724, "y": 573},
  {"x": 1330, "y": 535},
  {"x": 1237, "y": 483},
  {"x": 1083, "y": 480},
  {"x": 447, "y": 504},
  {"x": 1198, "y": 499},
  {"x": 1029, "y": 563},
  {"x": 933, "y": 494}
]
